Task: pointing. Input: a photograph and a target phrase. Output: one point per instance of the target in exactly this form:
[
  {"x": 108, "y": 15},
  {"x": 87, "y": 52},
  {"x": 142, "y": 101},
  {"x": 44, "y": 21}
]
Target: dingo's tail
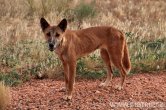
[{"x": 126, "y": 59}]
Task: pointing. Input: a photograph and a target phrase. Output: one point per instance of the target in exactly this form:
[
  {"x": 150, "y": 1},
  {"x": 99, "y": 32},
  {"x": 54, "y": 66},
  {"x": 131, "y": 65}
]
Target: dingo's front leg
[
  {"x": 66, "y": 76},
  {"x": 72, "y": 74}
]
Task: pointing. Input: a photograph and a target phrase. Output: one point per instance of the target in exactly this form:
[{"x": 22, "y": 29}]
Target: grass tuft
[{"x": 4, "y": 96}]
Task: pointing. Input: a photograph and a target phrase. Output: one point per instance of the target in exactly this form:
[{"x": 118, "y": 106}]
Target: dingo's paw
[
  {"x": 118, "y": 87},
  {"x": 67, "y": 97},
  {"x": 103, "y": 85}
]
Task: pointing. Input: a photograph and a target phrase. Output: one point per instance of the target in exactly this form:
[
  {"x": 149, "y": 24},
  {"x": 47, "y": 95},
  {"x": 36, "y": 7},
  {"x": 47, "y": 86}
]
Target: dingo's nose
[{"x": 51, "y": 45}]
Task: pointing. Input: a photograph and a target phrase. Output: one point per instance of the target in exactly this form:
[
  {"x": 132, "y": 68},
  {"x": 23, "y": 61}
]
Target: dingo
[{"x": 69, "y": 45}]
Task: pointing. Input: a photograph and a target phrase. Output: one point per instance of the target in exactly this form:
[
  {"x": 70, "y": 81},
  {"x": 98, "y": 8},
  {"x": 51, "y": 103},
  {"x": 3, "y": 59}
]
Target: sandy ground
[{"x": 45, "y": 95}]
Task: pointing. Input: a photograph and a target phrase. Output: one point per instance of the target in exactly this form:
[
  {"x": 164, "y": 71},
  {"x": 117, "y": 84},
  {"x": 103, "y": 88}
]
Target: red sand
[{"x": 44, "y": 94}]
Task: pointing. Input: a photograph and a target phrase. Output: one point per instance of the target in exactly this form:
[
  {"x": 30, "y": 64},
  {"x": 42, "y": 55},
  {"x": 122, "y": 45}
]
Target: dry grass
[
  {"x": 144, "y": 18},
  {"x": 23, "y": 47},
  {"x": 4, "y": 96}
]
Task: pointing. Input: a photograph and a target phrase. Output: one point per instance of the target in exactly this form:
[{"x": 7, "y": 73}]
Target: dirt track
[{"x": 45, "y": 95}]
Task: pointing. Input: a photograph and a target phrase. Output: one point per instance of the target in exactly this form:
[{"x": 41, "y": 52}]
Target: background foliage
[{"x": 24, "y": 54}]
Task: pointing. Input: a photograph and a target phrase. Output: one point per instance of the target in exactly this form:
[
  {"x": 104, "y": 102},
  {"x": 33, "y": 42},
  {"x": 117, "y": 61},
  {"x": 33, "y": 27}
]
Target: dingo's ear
[
  {"x": 63, "y": 25},
  {"x": 44, "y": 24}
]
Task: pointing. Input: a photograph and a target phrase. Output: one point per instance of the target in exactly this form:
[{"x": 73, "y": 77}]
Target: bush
[
  {"x": 83, "y": 11},
  {"x": 146, "y": 55},
  {"x": 12, "y": 78}
]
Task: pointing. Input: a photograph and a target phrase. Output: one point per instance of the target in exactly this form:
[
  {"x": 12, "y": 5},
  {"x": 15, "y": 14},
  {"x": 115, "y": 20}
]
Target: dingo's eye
[
  {"x": 57, "y": 35},
  {"x": 48, "y": 34}
]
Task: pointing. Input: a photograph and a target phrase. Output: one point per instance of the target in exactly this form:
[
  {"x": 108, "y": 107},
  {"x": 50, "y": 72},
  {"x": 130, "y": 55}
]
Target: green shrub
[
  {"x": 12, "y": 78},
  {"x": 83, "y": 11},
  {"x": 146, "y": 55}
]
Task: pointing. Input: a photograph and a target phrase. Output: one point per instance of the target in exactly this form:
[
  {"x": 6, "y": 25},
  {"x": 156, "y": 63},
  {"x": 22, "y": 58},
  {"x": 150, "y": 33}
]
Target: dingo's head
[{"x": 53, "y": 34}]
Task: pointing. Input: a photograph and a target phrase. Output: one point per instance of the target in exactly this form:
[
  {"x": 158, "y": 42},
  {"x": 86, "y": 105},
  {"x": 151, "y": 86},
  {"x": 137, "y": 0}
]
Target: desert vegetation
[
  {"x": 24, "y": 53},
  {"x": 4, "y": 96}
]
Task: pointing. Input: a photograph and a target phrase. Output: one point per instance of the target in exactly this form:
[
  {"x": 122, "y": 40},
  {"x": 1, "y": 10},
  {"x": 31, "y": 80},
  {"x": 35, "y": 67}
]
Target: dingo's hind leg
[
  {"x": 106, "y": 59},
  {"x": 116, "y": 55}
]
